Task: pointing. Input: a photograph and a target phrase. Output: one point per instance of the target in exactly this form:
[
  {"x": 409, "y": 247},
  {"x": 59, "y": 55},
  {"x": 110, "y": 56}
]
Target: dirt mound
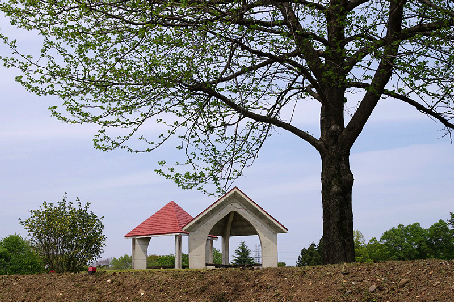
[{"x": 426, "y": 280}]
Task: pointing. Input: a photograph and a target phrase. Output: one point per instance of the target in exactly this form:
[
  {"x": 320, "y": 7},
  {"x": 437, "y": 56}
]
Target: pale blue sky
[{"x": 402, "y": 169}]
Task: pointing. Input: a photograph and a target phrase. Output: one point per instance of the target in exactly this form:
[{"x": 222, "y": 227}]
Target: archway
[{"x": 233, "y": 215}]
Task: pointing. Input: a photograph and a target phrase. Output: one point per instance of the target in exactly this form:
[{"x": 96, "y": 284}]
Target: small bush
[{"x": 18, "y": 257}]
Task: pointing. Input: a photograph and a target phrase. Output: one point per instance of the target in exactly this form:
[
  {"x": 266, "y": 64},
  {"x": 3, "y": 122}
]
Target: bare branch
[
  {"x": 257, "y": 117},
  {"x": 429, "y": 111},
  {"x": 355, "y": 3},
  {"x": 381, "y": 76},
  {"x": 436, "y": 7}
]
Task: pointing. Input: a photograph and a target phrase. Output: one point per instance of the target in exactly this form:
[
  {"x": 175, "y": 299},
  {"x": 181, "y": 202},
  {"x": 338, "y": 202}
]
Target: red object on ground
[
  {"x": 91, "y": 270},
  {"x": 50, "y": 272}
]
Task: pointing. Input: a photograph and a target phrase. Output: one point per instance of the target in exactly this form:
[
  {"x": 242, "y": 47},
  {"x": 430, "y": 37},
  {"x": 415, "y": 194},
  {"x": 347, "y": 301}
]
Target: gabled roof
[
  {"x": 239, "y": 196},
  {"x": 169, "y": 219}
]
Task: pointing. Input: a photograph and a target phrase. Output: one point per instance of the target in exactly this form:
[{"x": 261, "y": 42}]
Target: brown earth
[{"x": 425, "y": 280}]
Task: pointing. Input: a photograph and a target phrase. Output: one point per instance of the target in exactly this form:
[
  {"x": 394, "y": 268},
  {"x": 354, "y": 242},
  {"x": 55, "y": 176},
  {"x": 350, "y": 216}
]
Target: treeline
[
  {"x": 125, "y": 261},
  {"x": 404, "y": 242},
  {"x": 242, "y": 256}
]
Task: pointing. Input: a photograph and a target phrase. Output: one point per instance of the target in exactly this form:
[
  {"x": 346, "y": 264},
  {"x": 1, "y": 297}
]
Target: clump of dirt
[{"x": 424, "y": 280}]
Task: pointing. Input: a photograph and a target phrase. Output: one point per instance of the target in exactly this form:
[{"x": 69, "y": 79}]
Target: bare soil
[{"x": 425, "y": 280}]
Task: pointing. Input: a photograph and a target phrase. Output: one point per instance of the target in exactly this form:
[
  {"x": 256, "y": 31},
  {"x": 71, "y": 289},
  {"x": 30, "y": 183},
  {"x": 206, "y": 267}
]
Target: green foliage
[
  {"x": 66, "y": 237},
  {"x": 413, "y": 242},
  {"x": 361, "y": 252},
  {"x": 243, "y": 255},
  {"x": 123, "y": 262},
  {"x": 166, "y": 260},
  {"x": 406, "y": 242},
  {"x": 152, "y": 260},
  {"x": 310, "y": 256},
  {"x": 376, "y": 250},
  {"x": 18, "y": 257},
  {"x": 185, "y": 260},
  {"x": 281, "y": 264},
  {"x": 440, "y": 240},
  {"x": 220, "y": 80},
  {"x": 217, "y": 256}
]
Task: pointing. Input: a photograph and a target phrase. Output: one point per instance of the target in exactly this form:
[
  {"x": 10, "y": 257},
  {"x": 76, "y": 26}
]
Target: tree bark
[{"x": 337, "y": 184}]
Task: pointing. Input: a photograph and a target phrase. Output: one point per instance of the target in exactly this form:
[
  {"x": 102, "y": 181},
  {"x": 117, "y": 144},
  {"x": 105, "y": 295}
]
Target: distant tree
[
  {"x": 105, "y": 262},
  {"x": 310, "y": 256},
  {"x": 451, "y": 220},
  {"x": 406, "y": 242},
  {"x": 18, "y": 257},
  {"x": 243, "y": 255},
  {"x": 152, "y": 260},
  {"x": 412, "y": 242},
  {"x": 217, "y": 256},
  {"x": 361, "y": 252},
  {"x": 440, "y": 239},
  {"x": 281, "y": 264},
  {"x": 376, "y": 250},
  {"x": 123, "y": 262},
  {"x": 185, "y": 260},
  {"x": 167, "y": 260},
  {"x": 67, "y": 237}
]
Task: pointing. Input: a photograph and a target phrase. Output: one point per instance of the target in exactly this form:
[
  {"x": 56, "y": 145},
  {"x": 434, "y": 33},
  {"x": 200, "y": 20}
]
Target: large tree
[{"x": 223, "y": 75}]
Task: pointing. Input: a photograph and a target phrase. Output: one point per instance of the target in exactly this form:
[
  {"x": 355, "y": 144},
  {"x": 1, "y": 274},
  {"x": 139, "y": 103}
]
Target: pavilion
[{"x": 234, "y": 214}]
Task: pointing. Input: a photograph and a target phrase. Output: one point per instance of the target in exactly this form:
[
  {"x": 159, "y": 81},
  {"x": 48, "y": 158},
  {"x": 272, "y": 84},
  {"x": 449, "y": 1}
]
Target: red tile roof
[{"x": 168, "y": 220}]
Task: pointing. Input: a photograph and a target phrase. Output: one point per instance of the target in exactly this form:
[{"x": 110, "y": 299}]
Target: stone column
[
  {"x": 209, "y": 250},
  {"x": 178, "y": 252},
  {"x": 139, "y": 252},
  {"x": 197, "y": 245},
  {"x": 268, "y": 241},
  {"x": 226, "y": 239}
]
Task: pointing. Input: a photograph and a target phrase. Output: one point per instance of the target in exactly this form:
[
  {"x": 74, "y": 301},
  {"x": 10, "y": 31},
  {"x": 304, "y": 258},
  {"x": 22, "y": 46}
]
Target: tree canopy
[
  {"x": 222, "y": 76},
  {"x": 409, "y": 242},
  {"x": 412, "y": 242}
]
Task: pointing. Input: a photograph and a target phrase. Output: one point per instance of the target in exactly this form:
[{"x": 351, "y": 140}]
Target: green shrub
[
  {"x": 66, "y": 237},
  {"x": 18, "y": 257}
]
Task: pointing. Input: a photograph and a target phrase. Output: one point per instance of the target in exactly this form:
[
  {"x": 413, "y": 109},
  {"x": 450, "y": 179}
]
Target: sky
[{"x": 401, "y": 163}]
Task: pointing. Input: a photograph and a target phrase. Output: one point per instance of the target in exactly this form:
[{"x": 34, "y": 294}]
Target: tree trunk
[{"x": 337, "y": 183}]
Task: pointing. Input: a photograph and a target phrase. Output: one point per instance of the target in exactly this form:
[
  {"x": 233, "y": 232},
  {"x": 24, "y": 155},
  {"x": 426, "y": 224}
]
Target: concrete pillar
[
  {"x": 139, "y": 252},
  {"x": 209, "y": 250},
  {"x": 197, "y": 250},
  {"x": 225, "y": 249},
  {"x": 178, "y": 252},
  {"x": 226, "y": 239},
  {"x": 268, "y": 241}
]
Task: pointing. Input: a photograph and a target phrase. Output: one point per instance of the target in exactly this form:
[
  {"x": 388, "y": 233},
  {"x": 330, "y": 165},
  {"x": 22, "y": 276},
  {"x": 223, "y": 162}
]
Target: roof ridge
[
  {"x": 170, "y": 219},
  {"x": 236, "y": 189}
]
